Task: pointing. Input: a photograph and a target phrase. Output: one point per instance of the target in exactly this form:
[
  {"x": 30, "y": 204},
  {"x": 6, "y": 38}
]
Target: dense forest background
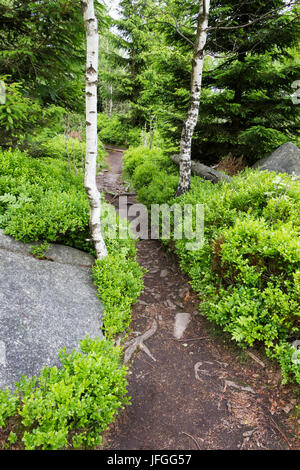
[
  {"x": 144, "y": 74},
  {"x": 246, "y": 276}
]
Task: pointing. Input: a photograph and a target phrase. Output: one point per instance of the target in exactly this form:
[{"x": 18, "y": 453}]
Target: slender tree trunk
[
  {"x": 193, "y": 112},
  {"x": 145, "y": 136},
  {"x": 110, "y": 101},
  {"x": 91, "y": 27},
  {"x": 152, "y": 129}
]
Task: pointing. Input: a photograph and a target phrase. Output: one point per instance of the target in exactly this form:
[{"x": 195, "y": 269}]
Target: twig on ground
[
  {"x": 249, "y": 353},
  {"x": 196, "y": 442},
  {"x": 191, "y": 339},
  {"x": 280, "y": 431}
]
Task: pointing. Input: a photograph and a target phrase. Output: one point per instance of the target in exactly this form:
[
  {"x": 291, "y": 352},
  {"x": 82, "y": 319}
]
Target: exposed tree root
[{"x": 138, "y": 343}]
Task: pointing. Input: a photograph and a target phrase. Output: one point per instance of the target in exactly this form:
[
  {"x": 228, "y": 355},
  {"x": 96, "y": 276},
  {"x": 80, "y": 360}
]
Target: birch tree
[
  {"x": 92, "y": 39},
  {"x": 195, "y": 93}
]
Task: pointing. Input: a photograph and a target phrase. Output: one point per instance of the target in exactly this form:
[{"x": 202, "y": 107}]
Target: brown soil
[{"x": 201, "y": 392}]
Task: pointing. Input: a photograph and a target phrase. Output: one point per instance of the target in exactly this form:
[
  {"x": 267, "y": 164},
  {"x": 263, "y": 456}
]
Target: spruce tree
[{"x": 248, "y": 110}]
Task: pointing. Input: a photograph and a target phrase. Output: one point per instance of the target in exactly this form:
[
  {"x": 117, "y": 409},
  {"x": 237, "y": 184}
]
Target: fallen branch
[
  {"x": 114, "y": 150},
  {"x": 255, "y": 359},
  {"x": 229, "y": 383},
  {"x": 280, "y": 431},
  {"x": 192, "y": 439},
  {"x": 204, "y": 171},
  {"x": 125, "y": 194}
]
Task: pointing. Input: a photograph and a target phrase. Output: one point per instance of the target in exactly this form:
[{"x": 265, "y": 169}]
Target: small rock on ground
[{"x": 181, "y": 322}]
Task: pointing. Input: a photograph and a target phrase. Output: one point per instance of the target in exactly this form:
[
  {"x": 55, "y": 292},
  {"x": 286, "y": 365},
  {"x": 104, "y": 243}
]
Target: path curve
[{"x": 198, "y": 394}]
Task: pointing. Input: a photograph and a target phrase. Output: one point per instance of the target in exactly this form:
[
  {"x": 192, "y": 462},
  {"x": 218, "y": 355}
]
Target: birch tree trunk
[
  {"x": 193, "y": 111},
  {"x": 152, "y": 129},
  {"x": 91, "y": 28}
]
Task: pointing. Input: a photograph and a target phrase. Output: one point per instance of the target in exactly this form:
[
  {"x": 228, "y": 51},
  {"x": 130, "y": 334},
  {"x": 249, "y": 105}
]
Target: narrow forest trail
[{"x": 198, "y": 394}]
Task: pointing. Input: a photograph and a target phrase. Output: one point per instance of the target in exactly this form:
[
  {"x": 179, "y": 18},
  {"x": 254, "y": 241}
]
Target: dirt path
[{"x": 201, "y": 392}]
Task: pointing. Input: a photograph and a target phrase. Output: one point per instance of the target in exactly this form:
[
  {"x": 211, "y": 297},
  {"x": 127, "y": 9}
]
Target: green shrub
[
  {"x": 40, "y": 200},
  {"x": 69, "y": 150},
  {"x": 57, "y": 147},
  {"x": 74, "y": 404},
  {"x": 117, "y": 130},
  {"x": 256, "y": 267},
  {"x": 110, "y": 130},
  {"x": 9, "y": 405},
  {"x": 119, "y": 281},
  {"x": 22, "y": 118},
  {"x": 152, "y": 173},
  {"x": 136, "y": 156},
  {"x": 248, "y": 271},
  {"x": 17, "y": 115},
  {"x": 134, "y": 137},
  {"x": 118, "y": 277}
]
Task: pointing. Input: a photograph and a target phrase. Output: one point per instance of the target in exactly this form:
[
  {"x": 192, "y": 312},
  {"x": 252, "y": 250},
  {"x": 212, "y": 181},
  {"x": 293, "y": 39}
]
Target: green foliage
[
  {"x": 9, "y": 405},
  {"x": 24, "y": 122},
  {"x": 42, "y": 44},
  {"x": 246, "y": 105},
  {"x": 137, "y": 156},
  {"x": 40, "y": 250},
  {"x": 40, "y": 200},
  {"x": 133, "y": 137},
  {"x": 119, "y": 281},
  {"x": 61, "y": 148},
  {"x": 17, "y": 115},
  {"x": 71, "y": 150},
  {"x": 72, "y": 404},
  {"x": 111, "y": 130},
  {"x": 118, "y": 277},
  {"x": 116, "y": 130},
  {"x": 250, "y": 112},
  {"x": 152, "y": 173},
  {"x": 248, "y": 271}
]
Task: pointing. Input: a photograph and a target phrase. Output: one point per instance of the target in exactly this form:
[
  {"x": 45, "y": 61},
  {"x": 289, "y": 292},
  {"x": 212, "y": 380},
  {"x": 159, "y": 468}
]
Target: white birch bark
[
  {"x": 195, "y": 93},
  {"x": 91, "y": 28}
]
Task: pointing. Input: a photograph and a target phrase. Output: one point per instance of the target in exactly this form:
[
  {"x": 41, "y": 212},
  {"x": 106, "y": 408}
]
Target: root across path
[{"x": 191, "y": 387}]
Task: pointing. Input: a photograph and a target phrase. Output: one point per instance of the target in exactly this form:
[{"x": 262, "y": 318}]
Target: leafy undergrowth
[
  {"x": 72, "y": 405},
  {"x": 247, "y": 272},
  {"x": 40, "y": 200}
]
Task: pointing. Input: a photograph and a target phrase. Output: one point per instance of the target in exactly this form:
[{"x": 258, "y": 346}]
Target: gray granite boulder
[
  {"x": 285, "y": 159},
  {"x": 58, "y": 253},
  {"x": 44, "y": 306}
]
